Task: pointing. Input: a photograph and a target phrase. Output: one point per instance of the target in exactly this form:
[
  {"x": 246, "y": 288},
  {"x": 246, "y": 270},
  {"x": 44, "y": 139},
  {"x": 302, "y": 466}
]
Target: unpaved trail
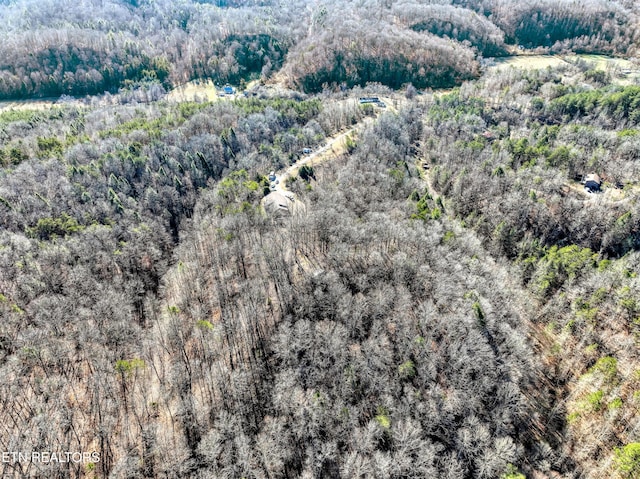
[
  {"x": 285, "y": 199},
  {"x": 331, "y": 149}
]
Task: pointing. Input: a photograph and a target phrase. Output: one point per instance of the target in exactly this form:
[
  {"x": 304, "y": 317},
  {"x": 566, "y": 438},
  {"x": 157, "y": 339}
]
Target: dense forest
[
  {"x": 436, "y": 296},
  {"x": 54, "y": 48}
]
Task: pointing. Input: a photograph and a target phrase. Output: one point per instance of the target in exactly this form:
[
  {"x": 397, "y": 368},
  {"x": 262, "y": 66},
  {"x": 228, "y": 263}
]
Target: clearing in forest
[
  {"x": 194, "y": 90},
  {"x": 532, "y": 62},
  {"x": 622, "y": 70}
]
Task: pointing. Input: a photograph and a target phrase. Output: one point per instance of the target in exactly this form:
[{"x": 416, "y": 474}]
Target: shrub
[
  {"x": 383, "y": 418},
  {"x": 512, "y": 473},
  {"x": 594, "y": 401},
  {"x": 606, "y": 366},
  {"x": 49, "y": 228},
  {"x": 627, "y": 460},
  {"x": 407, "y": 369},
  {"x": 128, "y": 366}
]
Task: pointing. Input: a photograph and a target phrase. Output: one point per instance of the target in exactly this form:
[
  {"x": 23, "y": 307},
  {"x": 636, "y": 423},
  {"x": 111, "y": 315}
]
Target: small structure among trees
[
  {"x": 592, "y": 183},
  {"x": 277, "y": 204}
]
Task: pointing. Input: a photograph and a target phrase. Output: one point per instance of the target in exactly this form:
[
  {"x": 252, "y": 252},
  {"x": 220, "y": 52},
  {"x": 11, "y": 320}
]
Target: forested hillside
[
  {"x": 371, "y": 354},
  {"x": 333, "y": 331},
  {"x": 436, "y": 294},
  {"x": 51, "y": 48},
  {"x": 529, "y": 145},
  {"x": 93, "y": 203}
]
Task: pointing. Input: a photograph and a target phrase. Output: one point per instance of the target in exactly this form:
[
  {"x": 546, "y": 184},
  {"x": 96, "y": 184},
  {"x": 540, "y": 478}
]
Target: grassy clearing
[
  {"x": 603, "y": 62},
  {"x": 199, "y": 90},
  {"x": 623, "y": 72},
  {"x": 532, "y": 62},
  {"x": 196, "y": 89},
  {"x": 21, "y": 105}
]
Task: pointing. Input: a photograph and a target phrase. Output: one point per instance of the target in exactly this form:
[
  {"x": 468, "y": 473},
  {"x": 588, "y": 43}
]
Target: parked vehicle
[
  {"x": 307, "y": 151},
  {"x": 272, "y": 176}
]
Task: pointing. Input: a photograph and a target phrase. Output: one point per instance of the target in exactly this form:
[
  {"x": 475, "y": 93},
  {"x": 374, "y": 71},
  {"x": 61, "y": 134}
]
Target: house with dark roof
[{"x": 592, "y": 183}]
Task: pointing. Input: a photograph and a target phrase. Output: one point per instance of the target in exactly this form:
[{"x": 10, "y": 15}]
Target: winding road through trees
[{"x": 333, "y": 148}]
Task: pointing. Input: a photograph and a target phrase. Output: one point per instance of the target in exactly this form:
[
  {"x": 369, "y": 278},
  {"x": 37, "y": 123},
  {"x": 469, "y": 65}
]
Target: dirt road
[{"x": 331, "y": 149}]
